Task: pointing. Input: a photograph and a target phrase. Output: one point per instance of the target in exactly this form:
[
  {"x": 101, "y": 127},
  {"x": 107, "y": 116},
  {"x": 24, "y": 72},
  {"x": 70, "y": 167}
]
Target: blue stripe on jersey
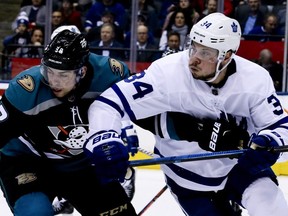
[
  {"x": 111, "y": 103},
  {"x": 191, "y": 176},
  {"x": 279, "y": 124},
  {"x": 124, "y": 102},
  {"x": 184, "y": 193}
]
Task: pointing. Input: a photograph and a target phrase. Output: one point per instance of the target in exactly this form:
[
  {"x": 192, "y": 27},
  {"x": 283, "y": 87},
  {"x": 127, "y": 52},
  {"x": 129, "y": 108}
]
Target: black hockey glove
[
  {"x": 258, "y": 157},
  {"x": 222, "y": 135},
  {"x": 108, "y": 155},
  {"x": 130, "y": 139}
]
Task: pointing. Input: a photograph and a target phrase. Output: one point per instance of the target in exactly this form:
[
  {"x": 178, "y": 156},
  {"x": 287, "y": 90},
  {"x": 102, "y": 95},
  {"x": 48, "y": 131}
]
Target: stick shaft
[
  {"x": 197, "y": 157},
  {"x": 153, "y": 200}
]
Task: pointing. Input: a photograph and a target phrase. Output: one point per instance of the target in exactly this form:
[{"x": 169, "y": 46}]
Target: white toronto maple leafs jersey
[{"x": 168, "y": 86}]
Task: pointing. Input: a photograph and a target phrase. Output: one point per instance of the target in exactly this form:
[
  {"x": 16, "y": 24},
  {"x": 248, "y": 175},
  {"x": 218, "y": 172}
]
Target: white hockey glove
[{"x": 108, "y": 155}]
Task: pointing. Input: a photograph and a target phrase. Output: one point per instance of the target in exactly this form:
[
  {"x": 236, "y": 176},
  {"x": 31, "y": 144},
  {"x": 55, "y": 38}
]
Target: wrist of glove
[
  {"x": 130, "y": 139},
  {"x": 222, "y": 135},
  {"x": 108, "y": 155},
  {"x": 258, "y": 157}
]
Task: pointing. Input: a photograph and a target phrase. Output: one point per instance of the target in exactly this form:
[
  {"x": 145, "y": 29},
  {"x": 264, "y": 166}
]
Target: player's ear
[
  {"x": 227, "y": 57},
  {"x": 83, "y": 71}
]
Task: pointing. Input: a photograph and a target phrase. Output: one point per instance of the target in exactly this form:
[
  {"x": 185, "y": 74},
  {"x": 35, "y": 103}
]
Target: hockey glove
[
  {"x": 130, "y": 139},
  {"x": 259, "y": 156},
  {"x": 108, "y": 155},
  {"x": 222, "y": 135}
]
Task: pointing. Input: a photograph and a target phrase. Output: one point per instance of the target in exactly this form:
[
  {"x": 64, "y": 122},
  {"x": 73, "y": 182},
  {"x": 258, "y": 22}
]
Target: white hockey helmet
[{"x": 217, "y": 31}]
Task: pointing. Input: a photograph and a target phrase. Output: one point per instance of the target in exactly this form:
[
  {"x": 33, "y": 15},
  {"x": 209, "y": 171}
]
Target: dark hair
[
  {"x": 108, "y": 14},
  {"x": 38, "y": 28},
  {"x": 142, "y": 18},
  {"x": 172, "y": 33},
  {"x": 173, "y": 16}
]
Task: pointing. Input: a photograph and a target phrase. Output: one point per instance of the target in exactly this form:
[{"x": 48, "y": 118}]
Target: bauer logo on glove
[
  {"x": 108, "y": 155},
  {"x": 214, "y": 136},
  {"x": 223, "y": 134},
  {"x": 100, "y": 138}
]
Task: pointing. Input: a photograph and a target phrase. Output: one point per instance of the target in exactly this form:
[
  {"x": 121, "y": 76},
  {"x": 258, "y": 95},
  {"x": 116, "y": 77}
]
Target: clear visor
[
  {"x": 58, "y": 78},
  {"x": 203, "y": 53}
]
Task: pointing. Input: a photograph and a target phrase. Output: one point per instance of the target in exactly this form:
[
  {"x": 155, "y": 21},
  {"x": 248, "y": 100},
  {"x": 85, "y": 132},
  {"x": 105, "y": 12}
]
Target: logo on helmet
[
  {"x": 206, "y": 24},
  {"x": 234, "y": 27},
  {"x": 54, "y": 61},
  {"x": 59, "y": 50},
  {"x": 83, "y": 43}
]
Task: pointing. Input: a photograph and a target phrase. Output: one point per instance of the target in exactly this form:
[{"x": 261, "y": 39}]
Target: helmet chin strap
[{"x": 219, "y": 70}]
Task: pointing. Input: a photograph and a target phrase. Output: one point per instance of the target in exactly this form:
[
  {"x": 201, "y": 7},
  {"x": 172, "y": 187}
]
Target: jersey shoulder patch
[
  {"x": 26, "y": 82},
  {"x": 116, "y": 67}
]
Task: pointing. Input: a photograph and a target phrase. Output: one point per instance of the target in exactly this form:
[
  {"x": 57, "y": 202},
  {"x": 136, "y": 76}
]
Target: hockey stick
[
  {"x": 153, "y": 200},
  {"x": 144, "y": 151},
  {"x": 202, "y": 156}
]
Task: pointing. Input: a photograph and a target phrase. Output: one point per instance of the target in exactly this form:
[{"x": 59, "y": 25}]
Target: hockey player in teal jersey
[
  {"x": 43, "y": 124},
  {"x": 234, "y": 101}
]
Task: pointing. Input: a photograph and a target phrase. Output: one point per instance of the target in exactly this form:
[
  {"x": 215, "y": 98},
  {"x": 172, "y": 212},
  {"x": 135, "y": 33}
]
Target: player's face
[
  {"x": 61, "y": 82},
  {"x": 202, "y": 61}
]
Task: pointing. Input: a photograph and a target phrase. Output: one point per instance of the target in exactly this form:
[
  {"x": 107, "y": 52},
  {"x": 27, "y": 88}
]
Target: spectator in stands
[
  {"x": 99, "y": 7},
  {"x": 148, "y": 11},
  {"x": 189, "y": 11},
  {"x": 228, "y": 8},
  {"x": 173, "y": 43},
  {"x": 13, "y": 44},
  {"x": 22, "y": 16},
  {"x": 141, "y": 20},
  {"x": 37, "y": 36},
  {"x": 107, "y": 40},
  {"x": 250, "y": 15},
  {"x": 268, "y": 29},
  {"x": 71, "y": 16},
  {"x": 37, "y": 41},
  {"x": 55, "y": 3},
  {"x": 274, "y": 68},
  {"x": 107, "y": 17},
  {"x": 36, "y": 13},
  {"x": 280, "y": 11},
  {"x": 56, "y": 20},
  {"x": 145, "y": 50},
  {"x": 177, "y": 23},
  {"x": 212, "y": 7},
  {"x": 84, "y": 6},
  {"x": 166, "y": 7}
]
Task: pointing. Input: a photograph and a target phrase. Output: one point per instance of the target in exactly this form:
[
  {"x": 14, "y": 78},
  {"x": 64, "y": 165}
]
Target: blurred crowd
[{"x": 162, "y": 26}]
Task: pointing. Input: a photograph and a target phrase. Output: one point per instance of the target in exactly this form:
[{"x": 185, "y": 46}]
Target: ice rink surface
[{"x": 148, "y": 183}]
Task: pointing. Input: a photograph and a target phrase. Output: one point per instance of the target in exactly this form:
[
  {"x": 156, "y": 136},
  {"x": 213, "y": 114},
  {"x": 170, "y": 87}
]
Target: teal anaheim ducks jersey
[{"x": 30, "y": 112}]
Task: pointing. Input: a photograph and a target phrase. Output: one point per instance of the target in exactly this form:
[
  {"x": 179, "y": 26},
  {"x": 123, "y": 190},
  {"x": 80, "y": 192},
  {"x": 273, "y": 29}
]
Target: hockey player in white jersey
[{"x": 208, "y": 83}]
